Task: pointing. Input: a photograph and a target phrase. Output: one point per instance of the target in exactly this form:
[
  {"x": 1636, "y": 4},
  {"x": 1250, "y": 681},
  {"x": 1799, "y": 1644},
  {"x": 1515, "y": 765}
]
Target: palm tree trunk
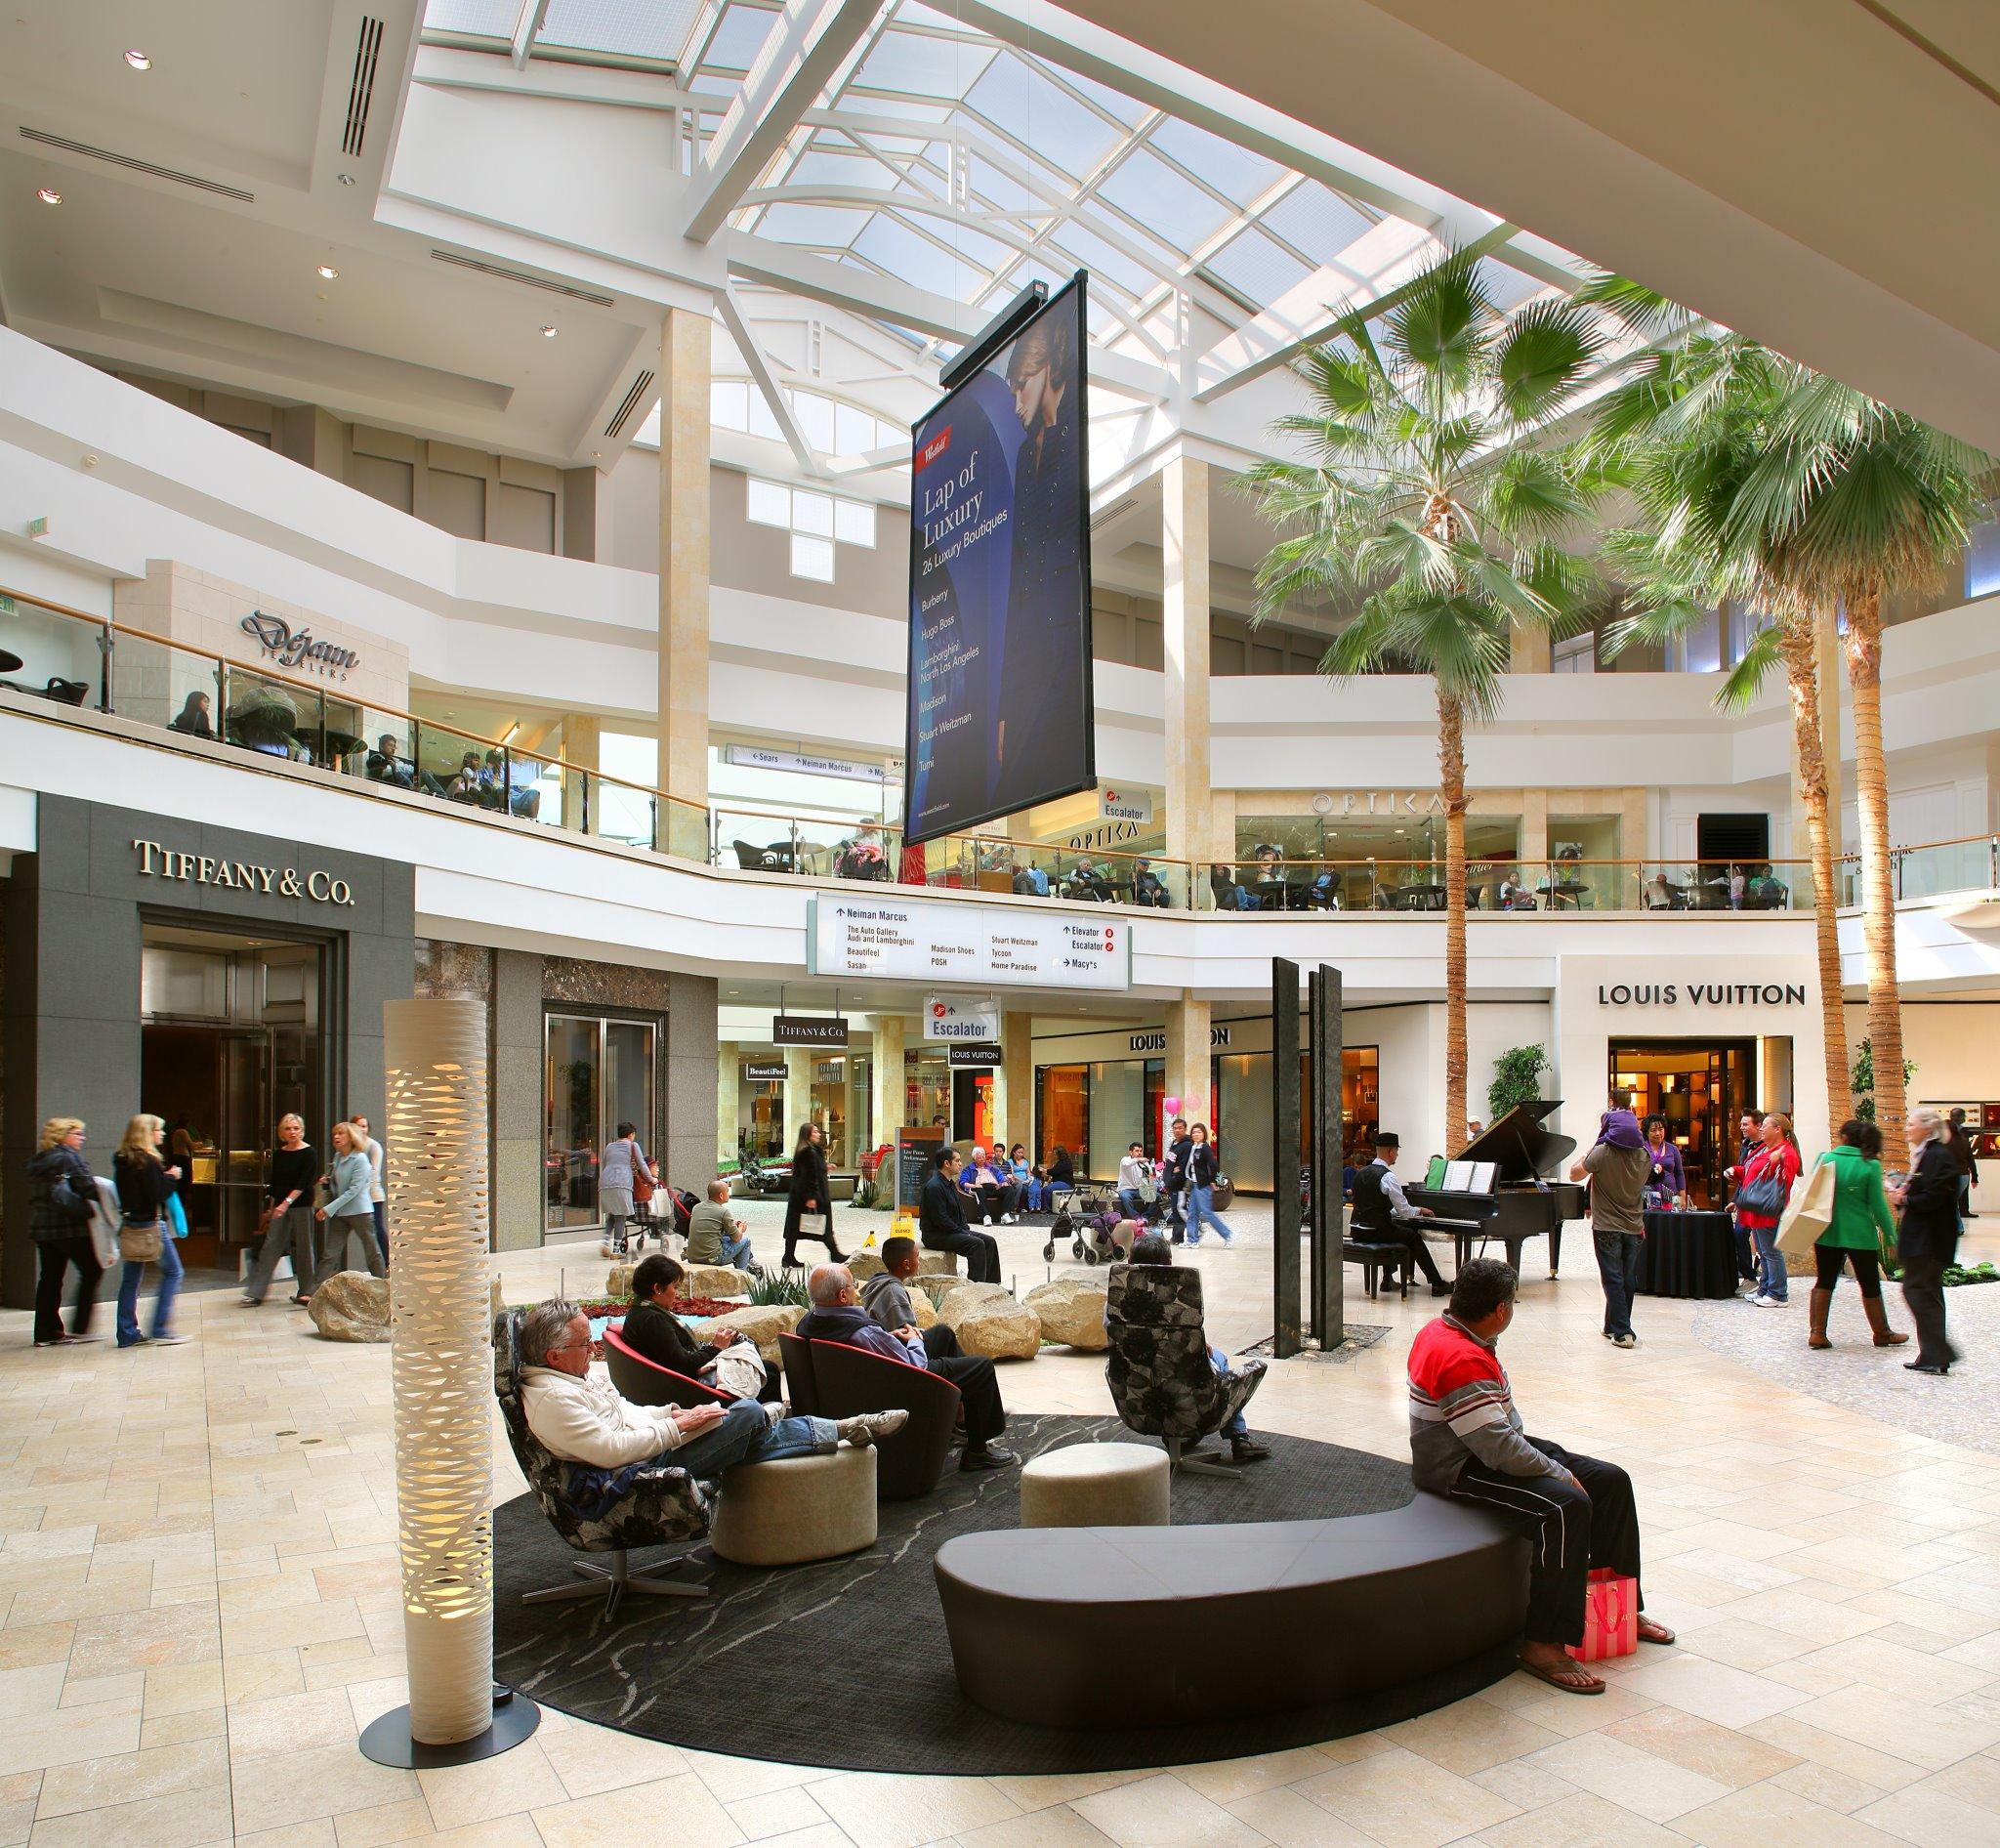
[
  {"x": 1451, "y": 783},
  {"x": 1802, "y": 675},
  {"x": 1878, "y": 896}
]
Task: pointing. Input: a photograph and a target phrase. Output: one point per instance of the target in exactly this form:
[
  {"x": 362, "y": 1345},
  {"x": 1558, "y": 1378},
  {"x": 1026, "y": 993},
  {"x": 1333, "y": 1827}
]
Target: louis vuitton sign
[{"x": 277, "y": 882}]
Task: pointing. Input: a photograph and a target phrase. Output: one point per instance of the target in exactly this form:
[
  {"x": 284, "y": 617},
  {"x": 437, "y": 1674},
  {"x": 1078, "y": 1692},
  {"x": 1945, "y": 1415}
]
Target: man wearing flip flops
[{"x": 1466, "y": 1441}]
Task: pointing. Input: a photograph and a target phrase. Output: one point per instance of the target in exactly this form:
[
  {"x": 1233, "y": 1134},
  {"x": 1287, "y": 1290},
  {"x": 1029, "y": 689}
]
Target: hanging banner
[
  {"x": 999, "y": 691},
  {"x": 806, "y": 1030},
  {"x": 962, "y": 1017}
]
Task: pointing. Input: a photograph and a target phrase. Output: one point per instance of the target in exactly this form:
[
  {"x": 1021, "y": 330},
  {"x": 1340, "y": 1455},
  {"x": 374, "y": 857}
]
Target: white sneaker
[
  {"x": 987, "y": 1219},
  {"x": 1766, "y": 1302},
  {"x": 1007, "y": 1219}
]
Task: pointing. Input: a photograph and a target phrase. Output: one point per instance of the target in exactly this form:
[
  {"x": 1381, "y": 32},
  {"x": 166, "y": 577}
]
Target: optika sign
[
  {"x": 277, "y": 882},
  {"x": 295, "y": 648},
  {"x": 1703, "y": 995}
]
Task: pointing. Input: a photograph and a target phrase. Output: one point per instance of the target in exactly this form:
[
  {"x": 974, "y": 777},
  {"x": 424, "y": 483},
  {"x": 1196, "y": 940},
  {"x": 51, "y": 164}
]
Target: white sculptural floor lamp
[{"x": 441, "y": 1373}]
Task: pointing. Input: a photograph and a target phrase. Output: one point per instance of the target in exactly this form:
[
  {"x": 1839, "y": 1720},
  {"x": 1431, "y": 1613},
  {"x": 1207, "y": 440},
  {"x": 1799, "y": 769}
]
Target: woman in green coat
[{"x": 1864, "y": 1228}]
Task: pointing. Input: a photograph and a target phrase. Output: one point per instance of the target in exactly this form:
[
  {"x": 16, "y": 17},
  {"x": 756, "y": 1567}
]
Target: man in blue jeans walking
[{"x": 1617, "y": 1175}]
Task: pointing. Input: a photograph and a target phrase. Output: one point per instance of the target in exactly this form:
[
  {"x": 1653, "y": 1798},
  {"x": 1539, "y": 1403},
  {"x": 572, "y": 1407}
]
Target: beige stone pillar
[
  {"x": 1529, "y": 647},
  {"x": 1014, "y": 1080},
  {"x": 888, "y": 1081},
  {"x": 1185, "y": 616},
  {"x": 1188, "y": 1056},
  {"x": 684, "y": 554},
  {"x": 1535, "y": 827},
  {"x": 728, "y": 1079},
  {"x": 579, "y": 756},
  {"x": 1631, "y": 846},
  {"x": 798, "y": 1095}
]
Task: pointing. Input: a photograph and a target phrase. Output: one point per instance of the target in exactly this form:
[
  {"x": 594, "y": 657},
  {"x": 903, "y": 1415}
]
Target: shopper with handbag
[
  {"x": 1203, "y": 1172},
  {"x": 1766, "y": 1187},
  {"x": 1928, "y": 1239},
  {"x": 623, "y": 1161},
  {"x": 1861, "y": 1232},
  {"x": 61, "y": 1198},
  {"x": 146, "y": 1189},
  {"x": 287, "y": 1223},
  {"x": 347, "y": 1211},
  {"x": 808, "y": 1207}
]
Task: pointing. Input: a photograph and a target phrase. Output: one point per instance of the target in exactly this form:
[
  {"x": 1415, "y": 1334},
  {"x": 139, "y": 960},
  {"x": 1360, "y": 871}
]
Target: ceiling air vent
[
  {"x": 1112, "y": 512},
  {"x": 137, "y": 166},
  {"x": 629, "y": 403},
  {"x": 522, "y": 275},
  {"x": 362, "y": 89}
]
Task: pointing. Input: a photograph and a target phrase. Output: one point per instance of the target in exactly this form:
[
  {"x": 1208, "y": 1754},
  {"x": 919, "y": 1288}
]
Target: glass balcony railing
[{"x": 73, "y": 660}]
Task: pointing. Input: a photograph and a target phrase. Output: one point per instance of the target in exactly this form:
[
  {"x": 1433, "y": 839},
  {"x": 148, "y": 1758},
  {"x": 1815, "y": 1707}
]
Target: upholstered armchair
[
  {"x": 847, "y": 1382},
  {"x": 598, "y": 1510},
  {"x": 1162, "y": 1382},
  {"x": 802, "y": 1392},
  {"x": 648, "y": 1383}
]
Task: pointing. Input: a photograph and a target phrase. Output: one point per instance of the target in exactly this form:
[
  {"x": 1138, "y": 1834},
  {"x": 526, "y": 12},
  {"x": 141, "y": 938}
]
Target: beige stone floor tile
[
  {"x": 183, "y": 1688},
  {"x": 1405, "y": 1801},
  {"x": 38, "y": 1690},
  {"x": 517, "y": 1780},
  {"x": 891, "y": 1812},
  {"x": 1929, "y": 1738},
  {"x": 1739, "y": 1642},
  {"x": 35, "y": 1645},
  {"x": 1055, "y": 1828},
  {"x": 384, "y": 1827},
  {"x": 776, "y": 1812},
  {"x": 313, "y": 1835},
  {"x": 104, "y": 1690},
  {"x": 1156, "y": 1812},
  {"x": 143, "y": 1639},
  {"x": 1830, "y": 1789},
  {"x": 128, "y": 1777},
  {"x": 1851, "y": 1757},
  {"x": 305, "y": 1785},
  {"x": 1730, "y": 1697},
  {"x": 182, "y": 1729},
  {"x": 187, "y": 1818},
  {"x": 507, "y": 1831},
  {"x": 592, "y": 1759},
  {"x": 1640, "y": 1781},
  {"x": 1524, "y": 1783},
  {"x": 1767, "y": 1814},
  {"x": 1906, "y": 1673},
  {"x": 1581, "y": 1820},
  {"x": 1231, "y": 1778},
  {"x": 1565, "y": 1714},
  {"x": 1039, "y": 1793},
  {"x": 1730, "y": 1758},
  {"x": 1287, "y": 1819},
  {"x": 261, "y": 1674},
  {"x": 290, "y": 1722},
  {"x": 1468, "y": 1736},
  {"x": 676, "y": 1812},
  {"x": 64, "y": 1737}
]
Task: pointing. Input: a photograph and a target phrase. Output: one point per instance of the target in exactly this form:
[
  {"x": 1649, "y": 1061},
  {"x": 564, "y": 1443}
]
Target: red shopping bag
[{"x": 1610, "y": 1616}]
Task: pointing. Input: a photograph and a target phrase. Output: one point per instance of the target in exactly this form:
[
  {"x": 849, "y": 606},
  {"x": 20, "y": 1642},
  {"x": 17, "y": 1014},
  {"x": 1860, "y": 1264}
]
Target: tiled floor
[{"x": 199, "y": 1590}]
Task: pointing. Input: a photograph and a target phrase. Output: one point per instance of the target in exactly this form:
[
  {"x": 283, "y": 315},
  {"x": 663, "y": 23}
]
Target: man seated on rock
[
  {"x": 581, "y": 1417},
  {"x": 1466, "y": 1441},
  {"x": 714, "y": 1236},
  {"x": 941, "y": 1222},
  {"x": 653, "y": 1326},
  {"x": 836, "y": 1315},
  {"x": 1153, "y": 1248}
]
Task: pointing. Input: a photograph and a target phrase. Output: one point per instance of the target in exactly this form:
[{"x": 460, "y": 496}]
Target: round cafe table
[{"x": 1688, "y": 1254}]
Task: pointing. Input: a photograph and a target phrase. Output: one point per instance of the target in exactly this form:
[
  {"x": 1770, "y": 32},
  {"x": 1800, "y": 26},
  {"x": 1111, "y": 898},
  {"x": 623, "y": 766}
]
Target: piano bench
[{"x": 1374, "y": 1259}]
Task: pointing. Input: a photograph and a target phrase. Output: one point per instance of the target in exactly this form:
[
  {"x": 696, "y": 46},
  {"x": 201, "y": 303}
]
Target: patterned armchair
[
  {"x": 1162, "y": 1382},
  {"x": 598, "y": 1510}
]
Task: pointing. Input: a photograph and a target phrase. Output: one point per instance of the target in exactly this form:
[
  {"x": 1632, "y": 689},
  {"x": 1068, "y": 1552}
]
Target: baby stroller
[{"x": 1087, "y": 1219}]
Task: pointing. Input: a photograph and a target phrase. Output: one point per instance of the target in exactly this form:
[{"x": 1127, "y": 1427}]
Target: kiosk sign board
[{"x": 915, "y": 939}]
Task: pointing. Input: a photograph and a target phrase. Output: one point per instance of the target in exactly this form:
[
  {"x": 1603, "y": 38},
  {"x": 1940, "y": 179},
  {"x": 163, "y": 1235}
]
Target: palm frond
[
  {"x": 1647, "y": 312},
  {"x": 1543, "y": 357}
]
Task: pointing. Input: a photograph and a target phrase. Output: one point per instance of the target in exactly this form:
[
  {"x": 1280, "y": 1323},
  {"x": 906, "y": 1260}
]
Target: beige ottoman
[
  {"x": 800, "y": 1509},
  {"x": 1096, "y": 1486}
]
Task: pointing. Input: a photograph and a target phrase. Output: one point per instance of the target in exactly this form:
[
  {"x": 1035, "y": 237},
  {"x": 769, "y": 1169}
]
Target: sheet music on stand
[
  {"x": 1458, "y": 1176},
  {"x": 1484, "y": 1176}
]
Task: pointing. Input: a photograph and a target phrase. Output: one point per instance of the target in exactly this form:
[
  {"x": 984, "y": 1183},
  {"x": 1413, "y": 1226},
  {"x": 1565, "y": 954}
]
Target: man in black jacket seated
[
  {"x": 836, "y": 1315},
  {"x": 1383, "y": 1215},
  {"x": 941, "y": 1222},
  {"x": 653, "y": 1330}
]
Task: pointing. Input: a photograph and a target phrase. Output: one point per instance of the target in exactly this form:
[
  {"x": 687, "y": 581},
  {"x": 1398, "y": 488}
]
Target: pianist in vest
[{"x": 1383, "y": 1216}]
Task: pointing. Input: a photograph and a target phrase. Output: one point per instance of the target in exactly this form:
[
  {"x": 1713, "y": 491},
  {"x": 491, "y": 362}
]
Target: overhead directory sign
[
  {"x": 988, "y": 944},
  {"x": 999, "y": 688},
  {"x": 962, "y": 1017},
  {"x": 802, "y": 763}
]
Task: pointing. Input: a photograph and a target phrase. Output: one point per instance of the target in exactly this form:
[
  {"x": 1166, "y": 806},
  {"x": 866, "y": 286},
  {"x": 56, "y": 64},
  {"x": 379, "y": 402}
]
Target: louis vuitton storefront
[{"x": 214, "y": 978}]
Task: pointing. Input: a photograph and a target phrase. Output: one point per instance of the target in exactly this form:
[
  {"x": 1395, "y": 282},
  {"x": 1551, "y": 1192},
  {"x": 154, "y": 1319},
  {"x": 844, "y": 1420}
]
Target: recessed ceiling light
[
  {"x": 49, "y": 195},
  {"x": 328, "y": 271},
  {"x": 548, "y": 331},
  {"x": 347, "y": 179},
  {"x": 138, "y": 60}
]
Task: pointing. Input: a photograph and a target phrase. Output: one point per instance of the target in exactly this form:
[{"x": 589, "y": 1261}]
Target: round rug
[{"x": 845, "y": 1663}]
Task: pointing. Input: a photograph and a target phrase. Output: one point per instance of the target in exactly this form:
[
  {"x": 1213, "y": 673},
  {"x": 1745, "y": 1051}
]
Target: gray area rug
[
  {"x": 1963, "y": 1407},
  {"x": 845, "y": 1663}
]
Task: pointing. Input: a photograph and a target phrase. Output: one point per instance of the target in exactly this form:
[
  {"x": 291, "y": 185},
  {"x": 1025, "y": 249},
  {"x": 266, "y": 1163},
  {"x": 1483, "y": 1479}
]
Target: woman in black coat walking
[
  {"x": 809, "y": 1195},
  {"x": 61, "y": 1200},
  {"x": 1926, "y": 1240}
]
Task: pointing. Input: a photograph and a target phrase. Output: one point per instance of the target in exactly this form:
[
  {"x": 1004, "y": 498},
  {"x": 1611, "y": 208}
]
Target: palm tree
[
  {"x": 1682, "y": 434},
  {"x": 1427, "y": 505}
]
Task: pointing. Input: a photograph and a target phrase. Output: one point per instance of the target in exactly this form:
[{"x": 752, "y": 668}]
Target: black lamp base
[{"x": 388, "y": 1740}]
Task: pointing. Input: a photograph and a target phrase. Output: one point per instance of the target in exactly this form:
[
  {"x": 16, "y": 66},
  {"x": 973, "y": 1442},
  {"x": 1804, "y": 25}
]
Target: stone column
[
  {"x": 1187, "y": 1061},
  {"x": 519, "y": 1061},
  {"x": 798, "y": 1096},
  {"x": 579, "y": 756},
  {"x": 1013, "y": 1078},
  {"x": 889, "y": 1091},
  {"x": 1528, "y": 649},
  {"x": 693, "y": 1004},
  {"x": 1534, "y": 828},
  {"x": 684, "y": 554},
  {"x": 1184, "y": 618},
  {"x": 728, "y": 1078}
]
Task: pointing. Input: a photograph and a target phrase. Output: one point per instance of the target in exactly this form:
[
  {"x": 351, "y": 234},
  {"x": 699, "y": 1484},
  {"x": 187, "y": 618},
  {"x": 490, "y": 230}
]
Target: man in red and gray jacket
[{"x": 1466, "y": 1441}]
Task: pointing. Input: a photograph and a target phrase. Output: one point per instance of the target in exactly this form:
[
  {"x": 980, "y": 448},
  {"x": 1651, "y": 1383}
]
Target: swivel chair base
[
  {"x": 613, "y": 1582},
  {"x": 1199, "y": 1462}
]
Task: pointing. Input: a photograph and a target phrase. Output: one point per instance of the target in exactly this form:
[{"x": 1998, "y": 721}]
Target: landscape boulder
[
  {"x": 762, "y": 1322},
  {"x": 713, "y": 1280},
  {"x": 351, "y": 1306},
  {"x": 989, "y": 1322},
  {"x": 865, "y": 1264},
  {"x": 1071, "y": 1310}
]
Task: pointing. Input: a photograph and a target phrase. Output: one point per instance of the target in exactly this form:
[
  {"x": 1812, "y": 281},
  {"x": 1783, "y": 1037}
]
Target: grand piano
[{"x": 1526, "y": 1197}]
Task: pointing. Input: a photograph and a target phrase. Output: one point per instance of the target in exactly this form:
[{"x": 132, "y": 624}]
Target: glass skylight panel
[
  {"x": 767, "y": 504},
  {"x": 1316, "y": 221},
  {"x": 1234, "y": 171},
  {"x": 1087, "y": 250},
  {"x": 1256, "y": 266},
  {"x": 1114, "y": 101},
  {"x": 762, "y": 421},
  {"x": 1157, "y": 195},
  {"x": 913, "y": 63},
  {"x": 816, "y": 419},
  {"x": 1021, "y": 103},
  {"x": 830, "y": 226},
  {"x": 910, "y": 258},
  {"x": 482, "y": 18},
  {"x": 738, "y": 39},
  {"x": 620, "y": 28},
  {"x": 822, "y": 167},
  {"x": 853, "y": 432},
  {"x": 1509, "y": 287},
  {"x": 728, "y": 406},
  {"x": 996, "y": 188}
]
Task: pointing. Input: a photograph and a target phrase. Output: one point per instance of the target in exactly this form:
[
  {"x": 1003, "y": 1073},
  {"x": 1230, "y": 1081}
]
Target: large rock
[
  {"x": 715, "y": 1280},
  {"x": 762, "y": 1322},
  {"x": 1071, "y": 1310},
  {"x": 929, "y": 1283},
  {"x": 921, "y": 1307},
  {"x": 938, "y": 1263},
  {"x": 864, "y": 1265},
  {"x": 351, "y": 1306},
  {"x": 989, "y": 1321},
  {"x": 618, "y": 1284}
]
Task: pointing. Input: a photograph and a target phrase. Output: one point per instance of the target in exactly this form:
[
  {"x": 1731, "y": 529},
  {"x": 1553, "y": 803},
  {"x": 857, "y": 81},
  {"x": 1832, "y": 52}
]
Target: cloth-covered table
[{"x": 1688, "y": 1254}]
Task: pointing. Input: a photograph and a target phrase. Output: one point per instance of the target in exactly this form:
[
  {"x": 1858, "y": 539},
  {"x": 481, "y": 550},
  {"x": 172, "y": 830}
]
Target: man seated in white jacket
[{"x": 583, "y": 1418}]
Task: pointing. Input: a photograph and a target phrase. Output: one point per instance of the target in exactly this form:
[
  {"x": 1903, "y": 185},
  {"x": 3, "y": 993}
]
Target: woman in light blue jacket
[{"x": 347, "y": 1210}]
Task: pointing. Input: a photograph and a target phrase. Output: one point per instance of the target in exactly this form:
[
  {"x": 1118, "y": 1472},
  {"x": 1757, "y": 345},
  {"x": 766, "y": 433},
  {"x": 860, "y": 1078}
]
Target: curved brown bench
[{"x": 1118, "y": 1627}]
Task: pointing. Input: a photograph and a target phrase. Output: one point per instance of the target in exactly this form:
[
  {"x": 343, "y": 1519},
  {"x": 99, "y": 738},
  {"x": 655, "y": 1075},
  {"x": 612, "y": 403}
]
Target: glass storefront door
[{"x": 597, "y": 1072}]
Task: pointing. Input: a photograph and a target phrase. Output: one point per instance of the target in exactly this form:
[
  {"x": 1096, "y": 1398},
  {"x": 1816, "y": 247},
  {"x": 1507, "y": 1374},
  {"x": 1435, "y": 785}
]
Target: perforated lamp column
[{"x": 441, "y": 1376}]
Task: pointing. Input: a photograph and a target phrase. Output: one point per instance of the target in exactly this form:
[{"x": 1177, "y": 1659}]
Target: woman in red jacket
[{"x": 1777, "y": 1160}]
